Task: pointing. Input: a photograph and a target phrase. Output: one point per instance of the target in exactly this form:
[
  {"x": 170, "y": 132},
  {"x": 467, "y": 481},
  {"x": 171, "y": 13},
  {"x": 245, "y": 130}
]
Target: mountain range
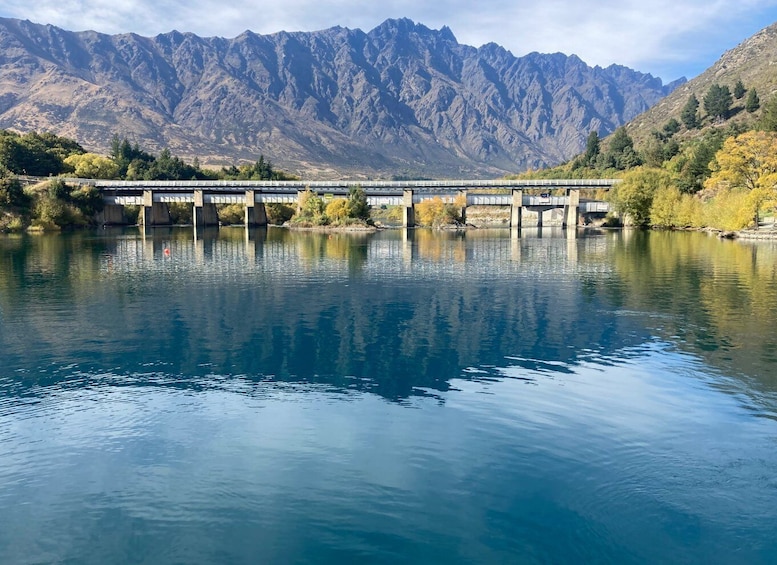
[{"x": 401, "y": 100}]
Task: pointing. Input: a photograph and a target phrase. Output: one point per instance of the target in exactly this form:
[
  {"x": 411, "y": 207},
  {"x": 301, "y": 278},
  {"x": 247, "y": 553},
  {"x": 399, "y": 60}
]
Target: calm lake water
[{"x": 399, "y": 397}]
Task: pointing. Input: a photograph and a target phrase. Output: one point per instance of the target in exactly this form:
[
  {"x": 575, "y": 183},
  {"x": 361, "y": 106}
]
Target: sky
[{"x": 667, "y": 38}]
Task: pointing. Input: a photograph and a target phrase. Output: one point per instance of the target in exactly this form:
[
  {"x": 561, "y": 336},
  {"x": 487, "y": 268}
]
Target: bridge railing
[{"x": 338, "y": 187}]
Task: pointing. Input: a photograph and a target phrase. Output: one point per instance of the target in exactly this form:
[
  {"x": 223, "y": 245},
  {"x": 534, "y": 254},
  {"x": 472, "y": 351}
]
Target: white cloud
[{"x": 662, "y": 36}]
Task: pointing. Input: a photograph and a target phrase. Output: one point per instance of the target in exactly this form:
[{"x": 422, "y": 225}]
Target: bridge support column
[
  {"x": 153, "y": 213},
  {"x": 408, "y": 210},
  {"x": 516, "y": 209},
  {"x": 111, "y": 215},
  {"x": 572, "y": 210},
  {"x": 462, "y": 199},
  {"x": 203, "y": 214},
  {"x": 256, "y": 213}
]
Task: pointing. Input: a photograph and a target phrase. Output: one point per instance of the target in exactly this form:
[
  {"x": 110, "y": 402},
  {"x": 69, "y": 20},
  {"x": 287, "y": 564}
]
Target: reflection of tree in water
[
  {"x": 257, "y": 307},
  {"x": 718, "y": 299},
  {"x": 286, "y": 305}
]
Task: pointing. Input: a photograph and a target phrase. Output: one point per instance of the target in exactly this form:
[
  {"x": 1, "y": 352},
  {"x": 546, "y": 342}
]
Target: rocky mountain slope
[
  {"x": 754, "y": 62},
  {"x": 399, "y": 100}
]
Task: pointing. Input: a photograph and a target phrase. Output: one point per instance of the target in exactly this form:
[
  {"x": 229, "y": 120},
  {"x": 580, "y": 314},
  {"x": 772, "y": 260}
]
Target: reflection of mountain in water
[
  {"x": 393, "y": 313},
  {"x": 396, "y": 313}
]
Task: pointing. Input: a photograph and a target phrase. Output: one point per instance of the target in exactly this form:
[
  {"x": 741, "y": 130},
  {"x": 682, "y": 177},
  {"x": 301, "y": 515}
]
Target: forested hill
[{"x": 401, "y": 99}]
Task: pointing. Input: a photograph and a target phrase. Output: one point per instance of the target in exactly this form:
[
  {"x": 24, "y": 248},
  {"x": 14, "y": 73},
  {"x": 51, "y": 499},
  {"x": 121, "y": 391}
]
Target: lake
[{"x": 269, "y": 396}]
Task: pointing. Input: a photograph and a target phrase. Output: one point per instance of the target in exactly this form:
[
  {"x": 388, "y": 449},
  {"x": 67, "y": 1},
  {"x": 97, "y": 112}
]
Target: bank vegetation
[{"x": 703, "y": 169}]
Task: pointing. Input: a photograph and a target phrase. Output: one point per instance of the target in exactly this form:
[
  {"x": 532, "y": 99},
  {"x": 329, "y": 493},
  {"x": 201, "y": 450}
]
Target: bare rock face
[{"x": 400, "y": 100}]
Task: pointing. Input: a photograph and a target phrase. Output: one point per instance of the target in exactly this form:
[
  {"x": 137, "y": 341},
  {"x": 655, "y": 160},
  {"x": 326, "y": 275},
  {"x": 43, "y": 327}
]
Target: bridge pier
[
  {"x": 408, "y": 210},
  {"x": 572, "y": 211},
  {"x": 203, "y": 214},
  {"x": 153, "y": 213},
  {"x": 111, "y": 215},
  {"x": 256, "y": 213},
  {"x": 516, "y": 208},
  {"x": 463, "y": 209}
]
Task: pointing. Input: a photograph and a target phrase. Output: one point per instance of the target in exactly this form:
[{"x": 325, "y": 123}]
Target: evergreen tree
[
  {"x": 717, "y": 102},
  {"x": 592, "y": 147},
  {"x": 357, "y": 204},
  {"x": 753, "y": 102},
  {"x": 620, "y": 151},
  {"x": 690, "y": 114},
  {"x": 768, "y": 121},
  {"x": 671, "y": 127},
  {"x": 739, "y": 90}
]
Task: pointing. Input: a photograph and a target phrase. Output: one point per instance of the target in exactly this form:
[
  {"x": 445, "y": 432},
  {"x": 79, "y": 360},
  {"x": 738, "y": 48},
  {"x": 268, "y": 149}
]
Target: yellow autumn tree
[
  {"x": 92, "y": 166},
  {"x": 746, "y": 163}
]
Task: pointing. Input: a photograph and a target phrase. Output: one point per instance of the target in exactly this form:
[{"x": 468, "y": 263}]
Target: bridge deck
[{"x": 336, "y": 187}]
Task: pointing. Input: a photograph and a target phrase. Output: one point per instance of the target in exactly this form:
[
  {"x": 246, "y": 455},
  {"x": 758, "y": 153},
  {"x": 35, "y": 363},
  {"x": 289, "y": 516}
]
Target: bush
[
  {"x": 278, "y": 214},
  {"x": 311, "y": 210},
  {"x": 11, "y": 192},
  {"x": 729, "y": 210},
  {"x": 435, "y": 213},
  {"x": 634, "y": 196},
  {"x": 181, "y": 212},
  {"x": 232, "y": 214},
  {"x": 338, "y": 210}
]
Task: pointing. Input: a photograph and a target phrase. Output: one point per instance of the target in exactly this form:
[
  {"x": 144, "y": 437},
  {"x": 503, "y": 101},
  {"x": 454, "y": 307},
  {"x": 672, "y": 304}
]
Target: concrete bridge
[{"x": 154, "y": 196}]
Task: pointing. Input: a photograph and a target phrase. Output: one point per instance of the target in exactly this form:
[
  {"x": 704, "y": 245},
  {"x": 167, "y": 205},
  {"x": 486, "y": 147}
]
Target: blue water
[{"x": 400, "y": 397}]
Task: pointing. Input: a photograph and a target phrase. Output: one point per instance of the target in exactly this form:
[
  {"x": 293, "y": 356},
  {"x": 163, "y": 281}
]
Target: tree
[
  {"x": 692, "y": 164},
  {"x": 690, "y": 115},
  {"x": 92, "y": 166},
  {"x": 768, "y": 121},
  {"x": 311, "y": 208},
  {"x": 11, "y": 193},
  {"x": 620, "y": 151},
  {"x": 746, "y": 162},
  {"x": 592, "y": 146},
  {"x": 357, "y": 204},
  {"x": 634, "y": 196},
  {"x": 753, "y": 102},
  {"x": 739, "y": 90},
  {"x": 337, "y": 210},
  {"x": 717, "y": 102},
  {"x": 671, "y": 127}
]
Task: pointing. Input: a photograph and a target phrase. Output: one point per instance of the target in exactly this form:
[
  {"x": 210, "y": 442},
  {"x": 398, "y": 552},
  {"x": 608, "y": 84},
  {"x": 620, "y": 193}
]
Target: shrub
[
  {"x": 232, "y": 214},
  {"x": 338, "y": 210},
  {"x": 435, "y": 213},
  {"x": 181, "y": 212},
  {"x": 278, "y": 213},
  {"x": 729, "y": 210}
]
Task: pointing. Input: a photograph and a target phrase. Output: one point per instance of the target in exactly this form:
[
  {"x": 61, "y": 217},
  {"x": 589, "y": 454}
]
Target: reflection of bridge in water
[
  {"x": 154, "y": 197},
  {"x": 268, "y": 254}
]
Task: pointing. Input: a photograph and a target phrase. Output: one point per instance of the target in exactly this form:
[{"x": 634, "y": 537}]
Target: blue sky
[{"x": 668, "y": 38}]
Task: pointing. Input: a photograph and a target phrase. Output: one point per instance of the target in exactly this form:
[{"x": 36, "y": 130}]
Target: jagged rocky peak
[{"x": 400, "y": 99}]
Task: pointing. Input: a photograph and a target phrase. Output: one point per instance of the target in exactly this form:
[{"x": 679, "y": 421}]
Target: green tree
[
  {"x": 131, "y": 160},
  {"x": 692, "y": 163},
  {"x": 717, "y": 102},
  {"x": 311, "y": 208},
  {"x": 592, "y": 147},
  {"x": 634, "y": 196},
  {"x": 620, "y": 151},
  {"x": 11, "y": 193},
  {"x": 671, "y": 127},
  {"x": 753, "y": 102},
  {"x": 358, "y": 207},
  {"x": 739, "y": 90},
  {"x": 768, "y": 121},
  {"x": 690, "y": 113},
  {"x": 92, "y": 166}
]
